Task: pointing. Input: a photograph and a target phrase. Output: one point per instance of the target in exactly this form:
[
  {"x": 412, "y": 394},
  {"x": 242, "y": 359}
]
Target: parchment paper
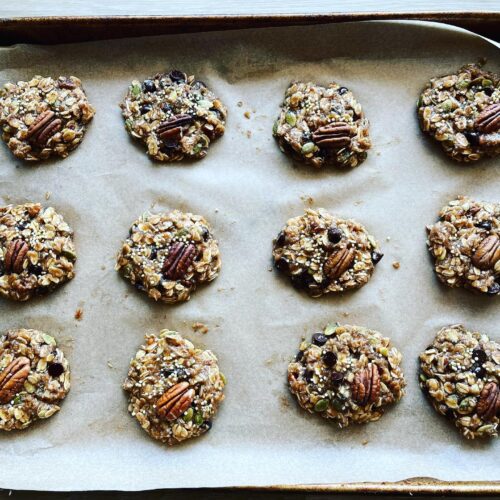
[{"x": 247, "y": 189}]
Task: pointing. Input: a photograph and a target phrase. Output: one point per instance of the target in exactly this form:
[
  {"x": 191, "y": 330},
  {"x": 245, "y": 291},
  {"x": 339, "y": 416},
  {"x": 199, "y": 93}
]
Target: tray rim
[{"x": 200, "y": 23}]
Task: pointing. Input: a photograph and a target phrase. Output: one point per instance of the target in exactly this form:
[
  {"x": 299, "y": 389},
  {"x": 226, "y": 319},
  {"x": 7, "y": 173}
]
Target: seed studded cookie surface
[
  {"x": 175, "y": 389},
  {"x": 323, "y": 254},
  {"x": 34, "y": 378},
  {"x": 44, "y": 117},
  {"x": 465, "y": 243},
  {"x": 462, "y": 112},
  {"x": 36, "y": 251},
  {"x": 349, "y": 374},
  {"x": 460, "y": 373},
  {"x": 174, "y": 115},
  {"x": 322, "y": 126},
  {"x": 168, "y": 255}
]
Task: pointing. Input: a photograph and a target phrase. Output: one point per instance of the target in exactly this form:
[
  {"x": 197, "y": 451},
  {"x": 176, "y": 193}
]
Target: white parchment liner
[{"x": 247, "y": 189}]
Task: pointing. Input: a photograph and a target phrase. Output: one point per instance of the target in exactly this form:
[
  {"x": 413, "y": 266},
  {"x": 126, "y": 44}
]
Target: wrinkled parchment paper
[{"x": 247, "y": 189}]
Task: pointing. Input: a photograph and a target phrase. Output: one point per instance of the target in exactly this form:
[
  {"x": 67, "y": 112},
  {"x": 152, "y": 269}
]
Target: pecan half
[
  {"x": 489, "y": 119},
  {"x": 487, "y": 253},
  {"x": 332, "y": 136},
  {"x": 15, "y": 256},
  {"x": 175, "y": 401},
  {"x": 172, "y": 128},
  {"x": 338, "y": 263},
  {"x": 12, "y": 378},
  {"x": 178, "y": 260},
  {"x": 489, "y": 401},
  {"x": 43, "y": 128},
  {"x": 366, "y": 385}
]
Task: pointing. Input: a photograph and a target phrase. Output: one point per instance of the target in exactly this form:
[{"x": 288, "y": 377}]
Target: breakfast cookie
[
  {"x": 44, "y": 117},
  {"x": 465, "y": 243},
  {"x": 36, "y": 251},
  {"x": 347, "y": 374},
  {"x": 460, "y": 373},
  {"x": 168, "y": 255},
  {"x": 324, "y": 254},
  {"x": 322, "y": 126},
  {"x": 462, "y": 112},
  {"x": 34, "y": 378},
  {"x": 174, "y": 115},
  {"x": 175, "y": 389}
]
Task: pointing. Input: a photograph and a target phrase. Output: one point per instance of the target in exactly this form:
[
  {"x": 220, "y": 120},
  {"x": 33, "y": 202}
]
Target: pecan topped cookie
[
  {"x": 322, "y": 126},
  {"x": 34, "y": 378},
  {"x": 323, "y": 254},
  {"x": 462, "y": 112},
  {"x": 174, "y": 388},
  {"x": 174, "y": 115},
  {"x": 36, "y": 251},
  {"x": 465, "y": 243},
  {"x": 167, "y": 255},
  {"x": 460, "y": 373},
  {"x": 44, "y": 117},
  {"x": 347, "y": 374}
]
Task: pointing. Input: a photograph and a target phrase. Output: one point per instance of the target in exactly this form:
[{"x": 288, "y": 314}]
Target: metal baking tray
[{"x": 56, "y": 30}]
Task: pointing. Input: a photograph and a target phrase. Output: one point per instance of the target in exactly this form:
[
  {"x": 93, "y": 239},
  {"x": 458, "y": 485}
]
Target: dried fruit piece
[
  {"x": 13, "y": 377},
  {"x": 178, "y": 261},
  {"x": 488, "y": 120},
  {"x": 366, "y": 385},
  {"x": 333, "y": 136},
  {"x": 15, "y": 256},
  {"x": 489, "y": 401},
  {"x": 339, "y": 262},
  {"x": 487, "y": 253},
  {"x": 175, "y": 401}
]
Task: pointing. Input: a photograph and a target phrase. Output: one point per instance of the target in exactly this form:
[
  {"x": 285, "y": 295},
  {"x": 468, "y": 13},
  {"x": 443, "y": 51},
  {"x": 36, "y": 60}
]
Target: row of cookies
[
  {"x": 177, "y": 116},
  {"x": 347, "y": 374},
  {"x": 167, "y": 255}
]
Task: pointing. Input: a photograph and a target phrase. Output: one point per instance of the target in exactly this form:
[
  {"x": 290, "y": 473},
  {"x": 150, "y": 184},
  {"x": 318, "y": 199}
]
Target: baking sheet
[{"x": 247, "y": 189}]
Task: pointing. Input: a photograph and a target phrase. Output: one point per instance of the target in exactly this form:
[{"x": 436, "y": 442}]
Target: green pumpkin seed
[
  {"x": 291, "y": 118},
  {"x": 198, "y": 419},
  {"x": 321, "y": 405},
  {"x": 188, "y": 415},
  {"x": 136, "y": 89},
  {"x": 48, "y": 339},
  {"x": 447, "y": 105},
  {"x": 330, "y": 329},
  {"x": 275, "y": 127},
  {"x": 486, "y": 83},
  {"x": 463, "y": 84},
  {"x": 223, "y": 378},
  {"x": 308, "y": 148}
]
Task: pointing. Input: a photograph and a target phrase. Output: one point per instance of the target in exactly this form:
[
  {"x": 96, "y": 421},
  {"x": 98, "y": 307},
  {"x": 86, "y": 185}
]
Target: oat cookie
[
  {"x": 34, "y": 378},
  {"x": 322, "y": 126},
  {"x": 44, "y": 117},
  {"x": 323, "y": 254},
  {"x": 462, "y": 112},
  {"x": 347, "y": 374},
  {"x": 460, "y": 373},
  {"x": 175, "y": 389},
  {"x": 167, "y": 255},
  {"x": 174, "y": 115},
  {"x": 36, "y": 251},
  {"x": 465, "y": 243}
]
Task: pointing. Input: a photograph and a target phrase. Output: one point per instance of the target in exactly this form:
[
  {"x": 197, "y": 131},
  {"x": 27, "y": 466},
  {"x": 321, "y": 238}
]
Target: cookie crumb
[
  {"x": 200, "y": 327},
  {"x": 110, "y": 365},
  {"x": 239, "y": 104},
  {"x": 79, "y": 314},
  {"x": 396, "y": 264},
  {"x": 48, "y": 195},
  {"x": 247, "y": 115},
  {"x": 365, "y": 442}
]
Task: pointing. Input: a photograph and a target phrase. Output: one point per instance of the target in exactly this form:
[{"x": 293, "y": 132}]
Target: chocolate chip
[
  {"x": 205, "y": 233},
  {"x": 488, "y": 91},
  {"x": 302, "y": 280},
  {"x": 494, "y": 289},
  {"x": 376, "y": 257},
  {"x": 166, "y": 372},
  {"x": 35, "y": 269},
  {"x": 177, "y": 76},
  {"x": 342, "y": 90},
  {"x": 472, "y": 137},
  {"x": 207, "y": 425},
  {"x": 479, "y": 356},
  {"x": 329, "y": 358},
  {"x": 334, "y": 234},
  {"x": 199, "y": 84},
  {"x": 145, "y": 109},
  {"x": 308, "y": 375},
  {"x": 282, "y": 264},
  {"x": 166, "y": 108},
  {"x": 478, "y": 370},
  {"x": 281, "y": 239},
  {"x": 485, "y": 224},
  {"x": 319, "y": 339},
  {"x": 299, "y": 356},
  {"x": 153, "y": 254},
  {"x": 55, "y": 369},
  {"x": 149, "y": 86},
  {"x": 337, "y": 376}
]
